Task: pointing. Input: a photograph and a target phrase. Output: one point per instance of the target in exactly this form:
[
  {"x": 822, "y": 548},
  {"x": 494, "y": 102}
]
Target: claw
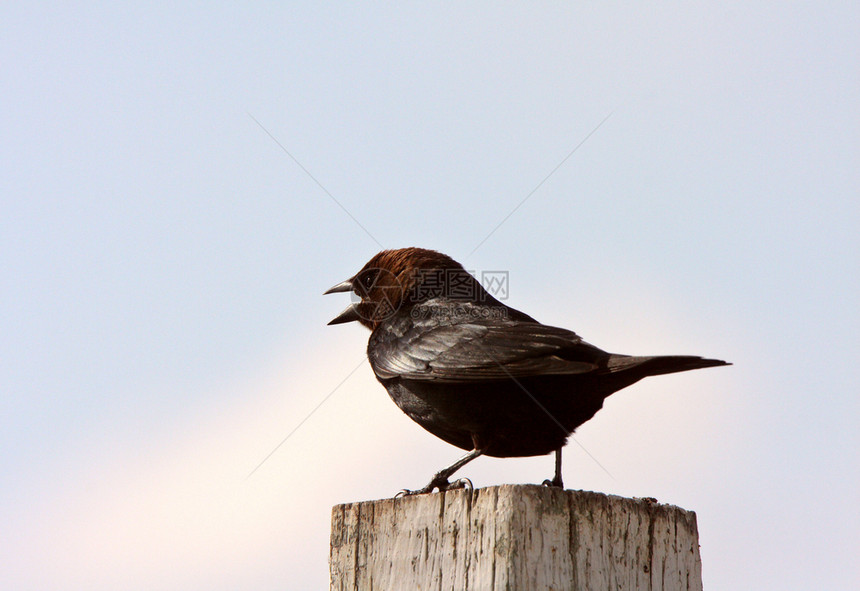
[
  {"x": 441, "y": 485},
  {"x": 464, "y": 483},
  {"x": 411, "y": 493},
  {"x": 553, "y": 483},
  {"x": 427, "y": 489}
]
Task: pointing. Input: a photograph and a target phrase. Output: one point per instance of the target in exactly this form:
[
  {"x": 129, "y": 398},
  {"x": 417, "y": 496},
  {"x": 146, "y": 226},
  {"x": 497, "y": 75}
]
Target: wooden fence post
[{"x": 514, "y": 537}]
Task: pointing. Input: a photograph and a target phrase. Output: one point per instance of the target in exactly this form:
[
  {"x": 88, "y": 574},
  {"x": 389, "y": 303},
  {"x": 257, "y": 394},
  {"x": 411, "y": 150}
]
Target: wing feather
[{"x": 479, "y": 351}]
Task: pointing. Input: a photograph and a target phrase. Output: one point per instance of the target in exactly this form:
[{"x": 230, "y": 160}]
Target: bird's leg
[
  {"x": 556, "y": 481},
  {"x": 440, "y": 480}
]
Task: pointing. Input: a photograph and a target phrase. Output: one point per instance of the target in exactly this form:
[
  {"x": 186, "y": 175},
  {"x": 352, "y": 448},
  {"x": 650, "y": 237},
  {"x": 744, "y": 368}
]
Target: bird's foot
[
  {"x": 461, "y": 483},
  {"x": 555, "y": 482},
  {"x": 441, "y": 484}
]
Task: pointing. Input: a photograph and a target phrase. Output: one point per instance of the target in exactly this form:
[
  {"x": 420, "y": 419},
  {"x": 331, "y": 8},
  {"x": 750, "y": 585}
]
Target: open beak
[
  {"x": 348, "y": 315},
  {"x": 340, "y": 287},
  {"x": 351, "y": 312}
]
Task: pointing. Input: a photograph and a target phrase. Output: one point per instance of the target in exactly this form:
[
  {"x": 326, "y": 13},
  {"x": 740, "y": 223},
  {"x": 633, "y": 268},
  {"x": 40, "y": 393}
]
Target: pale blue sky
[{"x": 163, "y": 261}]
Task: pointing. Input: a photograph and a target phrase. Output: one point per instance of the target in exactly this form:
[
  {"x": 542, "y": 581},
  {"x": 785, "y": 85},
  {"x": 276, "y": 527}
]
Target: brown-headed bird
[{"x": 479, "y": 374}]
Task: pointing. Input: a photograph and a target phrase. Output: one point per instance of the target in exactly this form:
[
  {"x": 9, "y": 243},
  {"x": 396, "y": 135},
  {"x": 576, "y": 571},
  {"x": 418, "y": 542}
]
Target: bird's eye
[{"x": 368, "y": 279}]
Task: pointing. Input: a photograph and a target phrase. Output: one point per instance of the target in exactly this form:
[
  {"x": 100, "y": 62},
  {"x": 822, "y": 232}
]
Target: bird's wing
[{"x": 481, "y": 351}]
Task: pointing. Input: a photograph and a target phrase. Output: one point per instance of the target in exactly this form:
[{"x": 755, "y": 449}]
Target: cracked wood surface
[{"x": 517, "y": 537}]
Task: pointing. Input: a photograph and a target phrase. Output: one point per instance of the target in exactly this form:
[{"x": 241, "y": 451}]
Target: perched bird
[{"x": 476, "y": 373}]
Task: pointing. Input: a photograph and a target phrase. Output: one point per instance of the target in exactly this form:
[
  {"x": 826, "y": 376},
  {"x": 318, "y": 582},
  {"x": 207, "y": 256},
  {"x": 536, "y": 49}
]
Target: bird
[{"x": 477, "y": 373}]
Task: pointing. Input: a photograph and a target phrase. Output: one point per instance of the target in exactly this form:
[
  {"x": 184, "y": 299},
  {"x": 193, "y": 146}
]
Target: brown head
[{"x": 396, "y": 278}]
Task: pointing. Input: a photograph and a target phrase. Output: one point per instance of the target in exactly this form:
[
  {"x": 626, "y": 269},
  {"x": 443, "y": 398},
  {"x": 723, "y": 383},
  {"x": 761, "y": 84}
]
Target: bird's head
[{"x": 394, "y": 279}]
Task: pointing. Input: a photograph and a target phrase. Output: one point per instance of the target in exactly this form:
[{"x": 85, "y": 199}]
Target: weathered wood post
[{"x": 514, "y": 537}]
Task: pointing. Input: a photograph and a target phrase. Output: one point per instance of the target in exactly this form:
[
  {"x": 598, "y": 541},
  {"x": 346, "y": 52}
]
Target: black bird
[{"x": 476, "y": 373}]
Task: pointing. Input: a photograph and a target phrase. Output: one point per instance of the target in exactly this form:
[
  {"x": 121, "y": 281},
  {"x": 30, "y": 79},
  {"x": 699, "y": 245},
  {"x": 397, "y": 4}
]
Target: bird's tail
[{"x": 630, "y": 369}]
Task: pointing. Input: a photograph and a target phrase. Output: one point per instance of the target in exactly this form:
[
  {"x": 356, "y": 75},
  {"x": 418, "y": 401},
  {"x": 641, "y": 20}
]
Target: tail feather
[{"x": 640, "y": 367}]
